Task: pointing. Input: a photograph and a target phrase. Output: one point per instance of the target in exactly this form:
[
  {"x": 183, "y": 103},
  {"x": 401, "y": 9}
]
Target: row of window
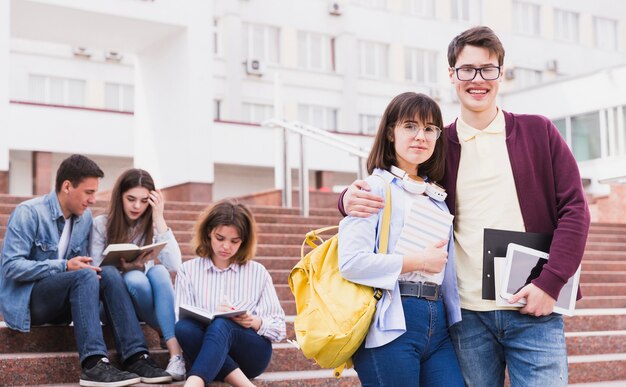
[
  {"x": 527, "y": 20},
  {"x": 461, "y": 10},
  {"x": 595, "y": 135},
  {"x": 322, "y": 117},
  {"x": 317, "y": 52},
  {"x": 72, "y": 92}
]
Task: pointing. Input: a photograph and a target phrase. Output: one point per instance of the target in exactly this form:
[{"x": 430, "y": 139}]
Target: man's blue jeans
[
  {"x": 533, "y": 348},
  {"x": 75, "y": 296},
  {"x": 153, "y": 296},
  {"x": 220, "y": 348},
  {"x": 421, "y": 356}
]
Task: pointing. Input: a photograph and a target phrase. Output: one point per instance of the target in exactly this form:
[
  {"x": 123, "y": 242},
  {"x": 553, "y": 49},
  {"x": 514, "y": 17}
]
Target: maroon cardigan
[{"x": 549, "y": 190}]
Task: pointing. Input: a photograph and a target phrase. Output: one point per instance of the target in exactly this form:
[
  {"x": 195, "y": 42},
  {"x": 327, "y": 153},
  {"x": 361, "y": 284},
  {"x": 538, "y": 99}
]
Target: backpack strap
[{"x": 383, "y": 242}]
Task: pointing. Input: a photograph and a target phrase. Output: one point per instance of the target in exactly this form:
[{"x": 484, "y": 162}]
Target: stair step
[
  {"x": 597, "y": 368},
  {"x": 588, "y": 320},
  {"x": 602, "y": 302},
  {"x": 602, "y": 276},
  {"x": 592, "y": 343}
]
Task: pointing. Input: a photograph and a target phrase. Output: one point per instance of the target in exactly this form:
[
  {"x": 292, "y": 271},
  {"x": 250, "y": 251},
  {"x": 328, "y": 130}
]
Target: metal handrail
[{"x": 323, "y": 136}]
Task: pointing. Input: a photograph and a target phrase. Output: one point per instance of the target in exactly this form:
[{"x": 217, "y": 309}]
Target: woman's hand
[
  {"x": 248, "y": 320},
  {"x": 138, "y": 264},
  {"x": 430, "y": 261},
  {"x": 158, "y": 209}
]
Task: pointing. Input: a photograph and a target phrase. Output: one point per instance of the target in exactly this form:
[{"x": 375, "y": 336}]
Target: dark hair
[
  {"x": 75, "y": 168},
  {"x": 480, "y": 36},
  {"x": 118, "y": 225},
  {"x": 226, "y": 213},
  {"x": 407, "y": 107}
]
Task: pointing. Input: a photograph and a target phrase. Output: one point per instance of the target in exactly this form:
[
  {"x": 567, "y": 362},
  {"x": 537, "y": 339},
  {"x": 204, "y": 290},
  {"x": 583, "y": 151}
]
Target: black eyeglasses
[{"x": 489, "y": 73}]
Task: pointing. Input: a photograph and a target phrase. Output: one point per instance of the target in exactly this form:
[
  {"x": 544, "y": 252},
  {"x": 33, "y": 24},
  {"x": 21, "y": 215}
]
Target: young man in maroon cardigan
[{"x": 513, "y": 172}]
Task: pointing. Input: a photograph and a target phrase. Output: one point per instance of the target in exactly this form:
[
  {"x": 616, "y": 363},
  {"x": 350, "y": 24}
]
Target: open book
[
  {"x": 129, "y": 251},
  {"x": 203, "y": 315}
]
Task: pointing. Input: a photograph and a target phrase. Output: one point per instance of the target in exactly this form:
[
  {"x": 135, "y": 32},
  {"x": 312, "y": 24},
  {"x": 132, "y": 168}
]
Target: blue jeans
[
  {"x": 153, "y": 296},
  {"x": 533, "y": 348},
  {"x": 75, "y": 296},
  {"x": 421, "y": 356},
  {"x": 220, "y": 348}
]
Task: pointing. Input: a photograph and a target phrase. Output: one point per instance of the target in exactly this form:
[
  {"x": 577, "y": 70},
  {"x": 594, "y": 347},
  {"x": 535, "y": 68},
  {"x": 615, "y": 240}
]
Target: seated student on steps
[
  {"x": 135, "y": 215},
  {"x": 47, "y": 278}
]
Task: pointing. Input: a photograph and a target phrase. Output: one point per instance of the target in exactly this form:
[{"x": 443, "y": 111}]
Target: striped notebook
[{"x": 424, "y": 226}]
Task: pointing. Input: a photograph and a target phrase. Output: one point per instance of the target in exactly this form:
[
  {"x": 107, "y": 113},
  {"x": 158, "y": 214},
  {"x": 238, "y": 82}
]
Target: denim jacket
[
  {"x": 360, "y": 262},
  {"x": 29, "y": 253}
]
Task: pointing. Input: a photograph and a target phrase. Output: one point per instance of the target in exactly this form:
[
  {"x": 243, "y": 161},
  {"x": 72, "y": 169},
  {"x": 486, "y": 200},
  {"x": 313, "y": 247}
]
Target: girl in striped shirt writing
[{"x": 223, "y": 277}]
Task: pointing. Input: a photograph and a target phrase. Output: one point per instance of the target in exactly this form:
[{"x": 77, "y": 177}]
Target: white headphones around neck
[{"x": 433, "y": 191}]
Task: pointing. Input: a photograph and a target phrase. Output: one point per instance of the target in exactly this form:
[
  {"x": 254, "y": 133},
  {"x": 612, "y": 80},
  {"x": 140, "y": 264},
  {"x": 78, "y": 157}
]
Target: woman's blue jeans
[
  {"x": 422, "y": 356},
  {"x": 153, "y": 296},
  {"x": 221, "y": 347}
]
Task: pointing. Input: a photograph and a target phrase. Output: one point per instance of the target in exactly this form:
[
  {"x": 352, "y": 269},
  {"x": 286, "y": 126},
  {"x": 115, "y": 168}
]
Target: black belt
[{"x": 427, "y": 290}]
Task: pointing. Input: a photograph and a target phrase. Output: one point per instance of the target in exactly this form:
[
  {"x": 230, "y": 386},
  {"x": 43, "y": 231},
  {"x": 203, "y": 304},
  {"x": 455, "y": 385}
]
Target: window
[
  {"x": 260, "y": 42},
  {"x": 566, "y": 26},
  {"x": 421, "y": 8},
  {"x": 420, "y": 65},
  {"x": 373, "y": 57},
  {"x": 466, "y": 10},
  {"x": 315, "y": 51},
  {"x": 371, "y": 3},
  {"x": 368, "y": 123},
  {"x": 526, "y": 77},
  {"x": 561, "y": 125},
  {"x": 217, "y": 109},
  {"x": 56, "y": 91},
  {"x": 256, "y": 113},
  {"x": 605, "y": 33},
  {"x": 216, "y": 37},
  {"x": 119, "y": 97},
  {"x": 319, "y": 116},
  {"x": 526, "y": 18},
  {"x": 586, "y": 143}
]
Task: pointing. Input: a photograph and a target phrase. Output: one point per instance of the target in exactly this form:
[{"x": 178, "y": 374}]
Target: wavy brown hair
[
  {"x": 119, "y": 227},
  {"x": 226, "y": 213},
  {"x": 408, "y": 107}
]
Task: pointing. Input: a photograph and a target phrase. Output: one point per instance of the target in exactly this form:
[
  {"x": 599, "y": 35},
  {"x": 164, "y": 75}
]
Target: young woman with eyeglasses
[{"x": 408, "y": 342}]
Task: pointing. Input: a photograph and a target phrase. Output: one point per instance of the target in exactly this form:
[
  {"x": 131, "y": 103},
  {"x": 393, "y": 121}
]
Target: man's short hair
[
  {"x": 75, "y": 168},
  {"x": 480, "y": 36}
]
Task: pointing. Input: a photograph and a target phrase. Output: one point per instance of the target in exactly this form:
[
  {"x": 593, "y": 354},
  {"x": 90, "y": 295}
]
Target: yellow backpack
[{"x": 333, "y": 314}]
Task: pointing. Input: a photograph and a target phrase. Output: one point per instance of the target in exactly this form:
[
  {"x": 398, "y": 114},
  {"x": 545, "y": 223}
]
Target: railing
[{"x": 303, "y": 131}]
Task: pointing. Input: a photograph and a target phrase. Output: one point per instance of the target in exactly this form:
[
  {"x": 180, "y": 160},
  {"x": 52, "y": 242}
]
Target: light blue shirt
[
  {"x": 29, "y": 253},
  {"x": 360, "y": 262}
]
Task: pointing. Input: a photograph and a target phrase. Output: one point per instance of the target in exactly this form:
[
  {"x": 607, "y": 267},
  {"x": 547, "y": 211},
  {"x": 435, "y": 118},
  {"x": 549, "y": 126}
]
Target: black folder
[{"x": 495, "y": 245}]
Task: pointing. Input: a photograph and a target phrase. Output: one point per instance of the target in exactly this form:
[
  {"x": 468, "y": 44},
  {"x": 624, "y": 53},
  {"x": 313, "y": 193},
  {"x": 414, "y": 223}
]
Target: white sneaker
[{"x": 176, "y": 367}]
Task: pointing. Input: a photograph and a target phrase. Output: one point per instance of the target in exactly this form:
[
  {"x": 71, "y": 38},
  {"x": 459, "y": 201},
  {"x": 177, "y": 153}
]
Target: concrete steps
[{"x": 595, "y": 336}]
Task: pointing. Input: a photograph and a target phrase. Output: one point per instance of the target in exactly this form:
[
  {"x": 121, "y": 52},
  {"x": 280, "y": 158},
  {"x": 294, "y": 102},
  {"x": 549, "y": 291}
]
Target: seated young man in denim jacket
[{"x": 47, "y": 278}]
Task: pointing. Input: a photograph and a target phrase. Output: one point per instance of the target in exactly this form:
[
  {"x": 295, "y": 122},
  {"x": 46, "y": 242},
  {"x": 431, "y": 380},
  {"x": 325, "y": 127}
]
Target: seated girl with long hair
[
  {"x": 135, "y": 215},
  {"x": 222, "y": 277}
]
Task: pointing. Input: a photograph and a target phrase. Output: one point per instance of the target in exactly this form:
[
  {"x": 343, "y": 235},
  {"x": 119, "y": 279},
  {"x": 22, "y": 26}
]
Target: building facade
[{"x": 180, "y": 87}]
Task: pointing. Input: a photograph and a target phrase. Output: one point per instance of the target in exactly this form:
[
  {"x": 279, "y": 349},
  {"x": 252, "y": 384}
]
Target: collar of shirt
[
  {"x": 210, "y": 266},
  {"x": 467, "y": 132}
]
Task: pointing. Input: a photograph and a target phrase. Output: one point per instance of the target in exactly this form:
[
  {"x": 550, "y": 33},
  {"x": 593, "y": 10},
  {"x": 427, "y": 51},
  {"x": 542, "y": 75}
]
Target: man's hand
[
  {"x": 78, "y": 263},
  {"x": 359, "y": 202},
  {"x": 538, "y": 302},
  {"x": 248, "y": 320}
]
